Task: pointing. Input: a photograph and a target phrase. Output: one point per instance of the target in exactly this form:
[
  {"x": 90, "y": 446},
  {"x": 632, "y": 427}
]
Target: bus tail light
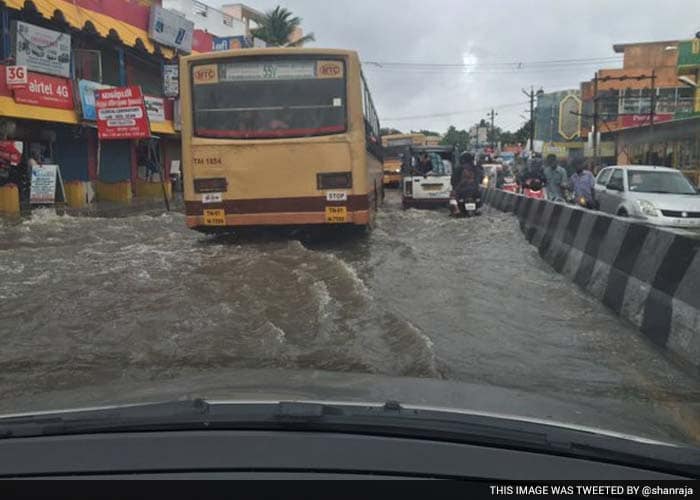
[
  {"x": 214, "y": 185},
  {"x": 335, "y": 180}
]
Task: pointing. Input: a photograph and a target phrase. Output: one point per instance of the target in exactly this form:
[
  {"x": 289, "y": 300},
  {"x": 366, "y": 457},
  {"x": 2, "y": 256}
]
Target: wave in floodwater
[{"x": 87, "y": 299}]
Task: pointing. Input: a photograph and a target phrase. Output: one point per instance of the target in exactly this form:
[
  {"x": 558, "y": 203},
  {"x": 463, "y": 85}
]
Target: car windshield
[
  {"x": 644, "y": 181},
  {"x": 316, "y": 200}
]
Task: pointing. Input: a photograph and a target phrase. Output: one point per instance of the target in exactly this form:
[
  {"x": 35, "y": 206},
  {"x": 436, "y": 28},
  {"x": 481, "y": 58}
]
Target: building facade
[
  {"x": 72, "y": 48},
  {"x": 645, "y": 111},
  {"x": 558, "y": 124}
]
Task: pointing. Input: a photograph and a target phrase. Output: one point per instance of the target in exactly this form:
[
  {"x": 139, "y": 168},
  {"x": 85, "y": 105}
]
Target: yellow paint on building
[
  {"x": 9, "y": 199},
  {"x": 76, "y": 194},
  {"x": 113, "y": 191},
  {"x": 145, "y": 189}
]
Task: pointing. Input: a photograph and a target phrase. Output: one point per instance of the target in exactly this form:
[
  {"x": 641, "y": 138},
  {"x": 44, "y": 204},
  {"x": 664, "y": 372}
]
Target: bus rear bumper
[{"x": 358, "y": 217}]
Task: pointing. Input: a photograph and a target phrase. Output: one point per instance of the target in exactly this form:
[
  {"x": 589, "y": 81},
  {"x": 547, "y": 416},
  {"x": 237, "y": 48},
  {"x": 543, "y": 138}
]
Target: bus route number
[{"x": 269, "y": 71}]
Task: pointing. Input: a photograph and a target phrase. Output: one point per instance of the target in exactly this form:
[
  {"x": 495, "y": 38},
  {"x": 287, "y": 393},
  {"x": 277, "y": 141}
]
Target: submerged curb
[{"x": 647, "y": 275}]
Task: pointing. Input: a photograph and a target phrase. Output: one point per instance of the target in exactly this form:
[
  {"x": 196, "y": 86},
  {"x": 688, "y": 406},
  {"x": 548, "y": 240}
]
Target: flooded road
[{"x": 87, "y": 302}]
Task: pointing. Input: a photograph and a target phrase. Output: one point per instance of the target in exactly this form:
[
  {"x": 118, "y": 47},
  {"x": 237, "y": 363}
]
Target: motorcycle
[
  {"x": 467, "y": 206},
  {"x": 533, "y": 188},
  {"x": 509, "y": 184}
]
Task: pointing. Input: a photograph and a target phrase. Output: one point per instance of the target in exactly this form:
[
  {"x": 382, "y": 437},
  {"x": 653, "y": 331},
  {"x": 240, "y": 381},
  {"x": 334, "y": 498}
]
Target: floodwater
[{"x": 86, "y": 302}]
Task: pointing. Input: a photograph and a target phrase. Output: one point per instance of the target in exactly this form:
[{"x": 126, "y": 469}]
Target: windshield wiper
[{"x": 390, "y": 419}]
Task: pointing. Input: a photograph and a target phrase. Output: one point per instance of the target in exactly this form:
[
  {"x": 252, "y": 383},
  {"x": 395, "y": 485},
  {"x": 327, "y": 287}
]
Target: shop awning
[
  {"x": 77, "y": 17},
  {"x": 11, "y": 109}
]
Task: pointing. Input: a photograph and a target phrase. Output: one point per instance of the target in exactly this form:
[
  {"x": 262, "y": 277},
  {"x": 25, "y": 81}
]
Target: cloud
[{"x": 499, "y": 31}]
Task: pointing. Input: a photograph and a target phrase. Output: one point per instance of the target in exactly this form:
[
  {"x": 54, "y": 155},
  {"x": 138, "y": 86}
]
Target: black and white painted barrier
[{"x": 648, "y": 275}]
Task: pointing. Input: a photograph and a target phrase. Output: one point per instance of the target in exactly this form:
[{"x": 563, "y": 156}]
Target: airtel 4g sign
[{"x": 47, "y": 91}]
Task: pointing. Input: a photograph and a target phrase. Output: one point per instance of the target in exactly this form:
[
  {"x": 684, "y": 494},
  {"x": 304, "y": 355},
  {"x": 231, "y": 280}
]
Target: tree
[
  {"x": 277, "y": 26},
  {"x": 454, "y": 137},
  {"x": 389, "y": 131},
  {"x": 426, "y": 132}
]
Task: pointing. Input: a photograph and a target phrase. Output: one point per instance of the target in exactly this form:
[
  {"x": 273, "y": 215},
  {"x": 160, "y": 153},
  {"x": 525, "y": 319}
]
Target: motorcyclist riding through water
[{"x": 465, "y": 187}]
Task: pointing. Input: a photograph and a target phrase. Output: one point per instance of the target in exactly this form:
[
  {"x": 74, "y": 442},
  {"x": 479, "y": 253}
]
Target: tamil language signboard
[
  {"x": 41, "y": 49},
  {"x": 121, "y": 114},
  {"x": 170, "y": 28}
]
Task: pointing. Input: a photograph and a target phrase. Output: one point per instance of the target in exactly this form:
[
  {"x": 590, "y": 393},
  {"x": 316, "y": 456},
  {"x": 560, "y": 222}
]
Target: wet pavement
[{"x": 121, "y": 297}]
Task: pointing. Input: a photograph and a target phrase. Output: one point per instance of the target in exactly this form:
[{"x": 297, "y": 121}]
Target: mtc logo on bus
[
  {"x": 208, "y": 73},
  {"x": 329, "y": 69}
]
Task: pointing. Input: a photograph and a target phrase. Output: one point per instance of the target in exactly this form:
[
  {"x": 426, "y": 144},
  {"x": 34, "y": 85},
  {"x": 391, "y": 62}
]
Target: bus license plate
[
  {"x": 335, "y": 215},
  {"x": 215, "y": 217}
]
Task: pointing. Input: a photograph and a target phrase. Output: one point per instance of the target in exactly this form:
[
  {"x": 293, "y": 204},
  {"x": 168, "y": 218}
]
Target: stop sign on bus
[{"x": 16, "y": 76}]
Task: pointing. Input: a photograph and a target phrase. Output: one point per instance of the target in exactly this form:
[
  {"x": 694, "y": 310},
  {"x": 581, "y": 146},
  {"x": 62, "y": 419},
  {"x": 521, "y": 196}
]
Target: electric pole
[
  {"x": 652, "y": 111},
  {"x": 531, "y": 95},
  {"x": 595, "y": 120},
  {"x": 492, "y": 116}
]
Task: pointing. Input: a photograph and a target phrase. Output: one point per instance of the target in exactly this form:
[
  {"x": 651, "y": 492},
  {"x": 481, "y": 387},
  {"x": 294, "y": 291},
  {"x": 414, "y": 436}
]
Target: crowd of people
[{"x": 571, "y": 182}]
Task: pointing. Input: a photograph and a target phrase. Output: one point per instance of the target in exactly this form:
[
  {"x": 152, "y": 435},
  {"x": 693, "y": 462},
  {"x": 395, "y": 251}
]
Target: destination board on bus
[{"x": 279, "y": 70}]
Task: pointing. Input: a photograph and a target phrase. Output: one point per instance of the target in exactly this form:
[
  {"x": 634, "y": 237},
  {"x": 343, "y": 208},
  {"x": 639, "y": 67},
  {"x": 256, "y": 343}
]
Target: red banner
[
  {"x": 11, "y": 152},
  {"x": 121, "y": 114},
  {"x": 46, "y": 91},
  {"x": 643, "y": 120}
]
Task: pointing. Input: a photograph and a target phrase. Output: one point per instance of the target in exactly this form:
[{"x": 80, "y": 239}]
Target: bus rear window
[{"x": 269, "y": 98}]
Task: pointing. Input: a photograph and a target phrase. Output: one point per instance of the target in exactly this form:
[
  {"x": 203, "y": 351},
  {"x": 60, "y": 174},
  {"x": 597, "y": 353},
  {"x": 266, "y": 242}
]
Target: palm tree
[{"x": 276, "y": 26}]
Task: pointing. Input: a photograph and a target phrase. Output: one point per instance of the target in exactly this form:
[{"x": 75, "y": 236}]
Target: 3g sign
[{"x": 16, "y": 76}]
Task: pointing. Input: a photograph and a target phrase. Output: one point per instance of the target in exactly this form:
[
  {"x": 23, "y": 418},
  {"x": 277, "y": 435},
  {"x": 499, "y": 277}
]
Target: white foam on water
[
  {"x": 13, "y": 269},
  {"x": 320, "y": 290}
]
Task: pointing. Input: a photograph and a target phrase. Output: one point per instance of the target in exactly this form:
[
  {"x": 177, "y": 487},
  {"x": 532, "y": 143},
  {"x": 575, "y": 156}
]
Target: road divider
[{"x": 647, "y": 275}]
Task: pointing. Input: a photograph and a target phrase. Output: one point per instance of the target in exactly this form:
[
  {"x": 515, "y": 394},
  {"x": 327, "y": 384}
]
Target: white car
[{"x": 657, "y": 195}]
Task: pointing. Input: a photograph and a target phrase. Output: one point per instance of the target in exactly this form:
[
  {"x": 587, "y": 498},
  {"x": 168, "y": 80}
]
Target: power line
[
  {"x": 514, "y": 64},
  {"x": 452, "y": 113}
]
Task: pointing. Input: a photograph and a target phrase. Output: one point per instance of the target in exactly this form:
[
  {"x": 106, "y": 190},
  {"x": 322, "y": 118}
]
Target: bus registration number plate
[
  {"x": 335, "y": 215},
  {"x": 215, "y": 217}
]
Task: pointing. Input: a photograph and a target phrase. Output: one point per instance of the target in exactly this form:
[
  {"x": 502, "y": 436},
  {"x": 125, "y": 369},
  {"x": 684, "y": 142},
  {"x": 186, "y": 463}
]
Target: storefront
[{"x": 674, "y": 144}]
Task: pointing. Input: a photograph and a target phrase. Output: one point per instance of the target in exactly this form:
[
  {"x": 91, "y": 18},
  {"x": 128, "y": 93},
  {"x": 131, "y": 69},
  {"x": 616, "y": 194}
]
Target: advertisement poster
[
  {"x": 43, "y": 188},
  {"x": 121, "y": 114},
  {"x": 41, "y": 49},
  {"x": 171, "y": 80},
  {"x": 11, "y": 152},
  {"x": 155, "y": 107},
  {"x": 46, "y": 91},
  {"x": 170, "y": 28},
  {"x": 16, "y": 76},
  {"x": 87, "y": 89}
]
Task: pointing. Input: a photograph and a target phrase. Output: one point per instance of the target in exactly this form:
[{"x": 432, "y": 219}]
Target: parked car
[{"x": 657, "y": 195}]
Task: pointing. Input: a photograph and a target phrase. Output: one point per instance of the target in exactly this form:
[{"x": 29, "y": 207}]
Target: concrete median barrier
[{"x": 647, "y": 275}]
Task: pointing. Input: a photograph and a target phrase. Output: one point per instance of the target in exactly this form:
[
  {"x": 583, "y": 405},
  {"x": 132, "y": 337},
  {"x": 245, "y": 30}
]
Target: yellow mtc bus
[
  {"x": 394, "y": 146},
  {"x": 278, "y": 137}
]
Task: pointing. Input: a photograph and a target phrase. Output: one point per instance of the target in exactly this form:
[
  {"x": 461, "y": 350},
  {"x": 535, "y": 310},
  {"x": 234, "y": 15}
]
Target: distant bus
[
  {"x": 396, "y": 145},
  {"x": 278, "y": 137}
]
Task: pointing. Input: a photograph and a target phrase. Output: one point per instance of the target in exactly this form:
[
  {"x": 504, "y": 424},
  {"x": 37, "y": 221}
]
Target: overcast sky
[{"x": 483, "y": 33}]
